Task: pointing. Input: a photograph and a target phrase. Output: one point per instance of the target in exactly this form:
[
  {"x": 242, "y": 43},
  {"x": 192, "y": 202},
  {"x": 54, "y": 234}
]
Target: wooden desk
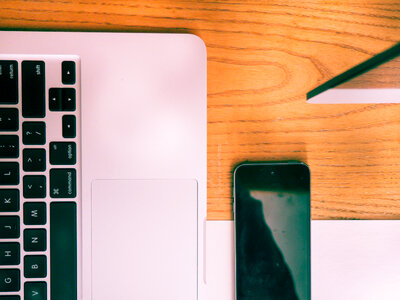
[{"x": 263, "y": 56}]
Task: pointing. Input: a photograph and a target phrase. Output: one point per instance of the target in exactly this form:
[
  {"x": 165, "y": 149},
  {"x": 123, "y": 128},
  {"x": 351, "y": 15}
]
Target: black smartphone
[{"x": 272, "y": 231}]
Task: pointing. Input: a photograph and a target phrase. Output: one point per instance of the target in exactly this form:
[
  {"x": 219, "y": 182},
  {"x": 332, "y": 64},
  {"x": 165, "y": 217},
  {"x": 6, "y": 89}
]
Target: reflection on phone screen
[{"x": 285, "y": 215}]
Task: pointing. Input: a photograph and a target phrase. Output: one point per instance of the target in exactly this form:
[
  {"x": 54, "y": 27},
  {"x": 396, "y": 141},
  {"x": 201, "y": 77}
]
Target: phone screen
[{"x": 272, "y": 231}]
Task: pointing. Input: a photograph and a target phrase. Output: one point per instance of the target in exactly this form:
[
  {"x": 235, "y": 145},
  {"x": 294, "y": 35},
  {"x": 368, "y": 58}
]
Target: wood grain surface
[
  {"x": 386, "y": 75},
  {"x": 263, "y": 56}
]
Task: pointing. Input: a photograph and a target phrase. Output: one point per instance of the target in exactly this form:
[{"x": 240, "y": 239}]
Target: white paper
[
  {"x": 219, "y": 260},
  {"x": 343, "y": 96},
  {"x": 349, "y": 260}
]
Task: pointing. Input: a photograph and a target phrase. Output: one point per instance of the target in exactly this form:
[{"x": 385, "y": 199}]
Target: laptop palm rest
[{"x": 144, "y": 239}]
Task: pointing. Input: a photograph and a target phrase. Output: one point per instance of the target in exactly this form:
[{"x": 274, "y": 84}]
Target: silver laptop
[{"x": 102, "y": 166}]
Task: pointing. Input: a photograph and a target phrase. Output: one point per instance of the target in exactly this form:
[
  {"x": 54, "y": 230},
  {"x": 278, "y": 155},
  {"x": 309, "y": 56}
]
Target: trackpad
[{"x": 144, "y": 239}]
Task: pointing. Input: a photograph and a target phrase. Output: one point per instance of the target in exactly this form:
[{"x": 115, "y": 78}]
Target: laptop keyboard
[{"x": 39, "y": 177}]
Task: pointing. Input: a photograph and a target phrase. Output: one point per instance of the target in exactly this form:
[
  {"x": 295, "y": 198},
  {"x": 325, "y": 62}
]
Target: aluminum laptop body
[{"x": 135, "y": 190}]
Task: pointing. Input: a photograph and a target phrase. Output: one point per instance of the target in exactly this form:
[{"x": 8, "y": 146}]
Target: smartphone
[{"x": 272, "y": 231}]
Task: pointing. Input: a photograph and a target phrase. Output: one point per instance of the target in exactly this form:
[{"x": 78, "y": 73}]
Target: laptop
[{"x": 102, "y": 165}]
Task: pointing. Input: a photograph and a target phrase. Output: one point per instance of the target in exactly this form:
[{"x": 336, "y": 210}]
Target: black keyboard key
[
  {"x": 9, "y": 146},
  {"x": 62, "y": 99},
  {"x": 33, "y": 89},
  {"x": 10, "y": 298},
  {"x": 68, "y": 72},
  {"x": 34, "y": 160},
  {"x": 68, "y": 99},
  {"x": 34, "y": 213},
  {"x": 34, "y": 186},
  {"x": 8, "y": 119},
  {"x": 63, "y": 251},
  {"x": 62, "y": 183},
  {"x": 35, "y": 291},
  {"x": 9, "y": 200},
  {"x": 62, "y": 153},
  {"x": 9, "y": 227},
  {"x": 9, "y": 173},
  {"x": 35, "y": 266},
  {"x": 34, "y": 133},
  {"x": 9, "y": 254},
  {"x": 69, "y": 126},
  {"x": 35, "y": 240},
  {"x": 8, "y": 82},
  {"x": 55, "y": 99},
  {"x": 9, "y": 280}
]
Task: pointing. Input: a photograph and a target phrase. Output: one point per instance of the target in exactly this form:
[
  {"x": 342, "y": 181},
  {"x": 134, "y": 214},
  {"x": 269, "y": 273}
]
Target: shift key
[
  {"x": 33, "y": 89},
  {"x": 62, "y": 183}
]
